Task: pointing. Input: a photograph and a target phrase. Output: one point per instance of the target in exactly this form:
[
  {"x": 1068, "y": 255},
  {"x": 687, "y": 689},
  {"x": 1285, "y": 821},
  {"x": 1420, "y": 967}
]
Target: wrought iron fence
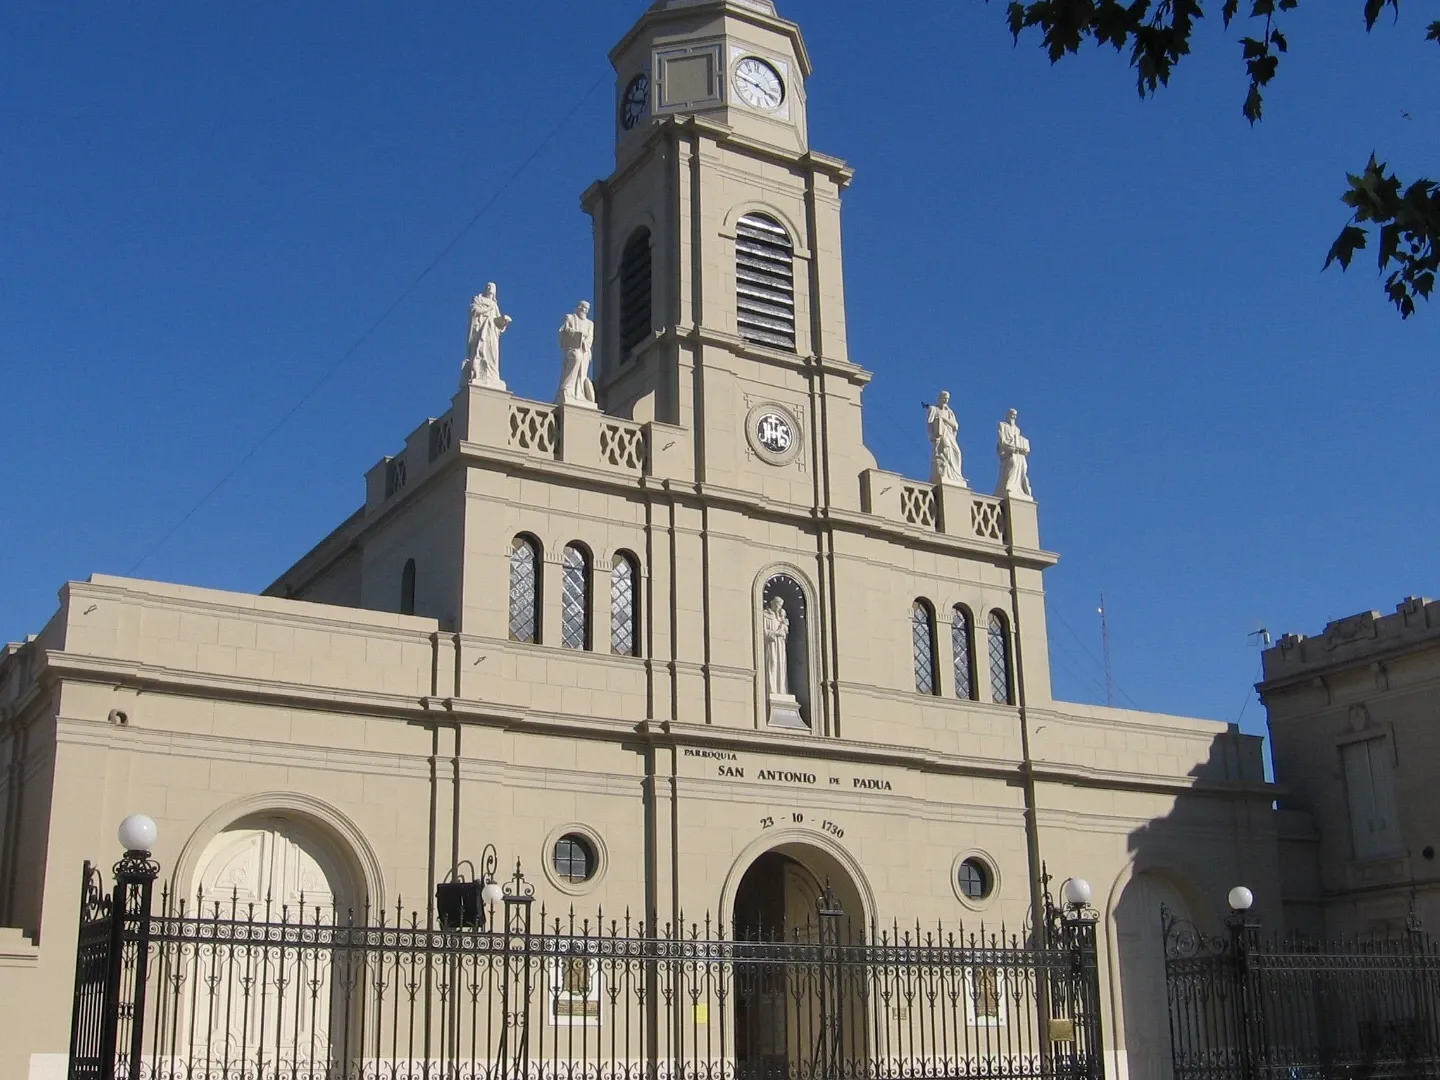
[
  {"x": 1251, "y": 1006},
  {"x": 239, "y": 991}
]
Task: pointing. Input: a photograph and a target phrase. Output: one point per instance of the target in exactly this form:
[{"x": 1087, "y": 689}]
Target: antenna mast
[{"x": 1105, "y": 645}]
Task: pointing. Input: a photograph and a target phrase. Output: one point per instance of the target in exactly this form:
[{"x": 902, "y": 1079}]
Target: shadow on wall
[{"x": 1218, "y": 834}]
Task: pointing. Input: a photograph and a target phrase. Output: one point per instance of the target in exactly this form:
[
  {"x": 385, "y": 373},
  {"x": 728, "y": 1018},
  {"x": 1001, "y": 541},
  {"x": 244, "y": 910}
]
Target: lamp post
[
  {"x": 1249, "y": 1025},
  {"x": 135, "y": 876},
  {"x": 1079, "y": 921}
]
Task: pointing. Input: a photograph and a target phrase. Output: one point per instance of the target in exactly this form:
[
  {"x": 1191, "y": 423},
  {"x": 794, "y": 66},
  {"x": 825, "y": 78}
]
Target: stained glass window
[
  {"x": 524, "y": 591},
  {"x": 923, "y": 624},
  {"x": 575, "y": 599},
  {"x": 962, "y": 645},
  {"x": 624, "y": 639},
  {"x": 1000, "y": 689}
]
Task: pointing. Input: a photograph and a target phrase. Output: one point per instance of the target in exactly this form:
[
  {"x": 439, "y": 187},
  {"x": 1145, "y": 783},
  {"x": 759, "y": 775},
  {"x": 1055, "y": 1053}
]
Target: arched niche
[{"x": 789, "y": 587}]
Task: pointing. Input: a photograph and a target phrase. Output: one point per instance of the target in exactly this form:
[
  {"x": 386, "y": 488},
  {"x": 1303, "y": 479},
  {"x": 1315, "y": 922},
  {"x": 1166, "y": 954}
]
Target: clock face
[
  {"x": 636, "y": 101},
  {"x": 774, "y": 433},
  {"x": 758, "y": 84}
]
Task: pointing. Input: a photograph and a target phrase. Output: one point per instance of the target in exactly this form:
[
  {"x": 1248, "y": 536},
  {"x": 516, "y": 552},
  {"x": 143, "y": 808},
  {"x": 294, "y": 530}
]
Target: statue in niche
[
  {"x": 577, "y": 339},
  {"x": 777, "y": 645},
  {"x": 482, "y": 360},
  {"x": 1014, "y": 451},
  {"x": 944, "y": 443},
  {"x": 787, "y": 678}
]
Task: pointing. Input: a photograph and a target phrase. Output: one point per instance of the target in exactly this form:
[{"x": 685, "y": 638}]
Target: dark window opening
[
  {"x": 636, "y": 321},
  {"x": 407, "y": 588}
]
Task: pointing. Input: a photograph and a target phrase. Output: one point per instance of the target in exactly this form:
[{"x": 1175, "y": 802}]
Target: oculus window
[{"x": 574, "y": 859}]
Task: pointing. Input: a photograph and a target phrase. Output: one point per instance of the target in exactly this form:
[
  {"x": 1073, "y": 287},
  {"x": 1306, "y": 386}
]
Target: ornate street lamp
[
  {"x": 461, "y": 904},
  {"x": 1250, "y": 1021}
]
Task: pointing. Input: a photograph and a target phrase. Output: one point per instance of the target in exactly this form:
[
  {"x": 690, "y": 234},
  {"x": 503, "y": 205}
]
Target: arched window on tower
[
  {"x": 575, "y": 598},
  {"x": 635, "y": 293},
  {"x": 922, "y": 621},
  {"x": 407, "y": 588},
  {"x": 765, "y": 282},
  {"x": 625, "y": 605},
  {"x": 525, "y": 590},
  {"x": 962, "y": 647},
  {"x": 1002, "y": 691}
]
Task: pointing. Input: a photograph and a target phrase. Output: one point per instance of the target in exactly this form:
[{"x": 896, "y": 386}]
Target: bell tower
[{"x": 717, "y": 254}]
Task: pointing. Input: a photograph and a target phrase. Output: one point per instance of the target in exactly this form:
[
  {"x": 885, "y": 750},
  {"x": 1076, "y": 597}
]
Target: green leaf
[
  {"x": 1352, "y": 238},
  {"x": 1433, "y": 34},
  {"x": 1373, "y": 8},
  {"x": 1253, "y": 106}
]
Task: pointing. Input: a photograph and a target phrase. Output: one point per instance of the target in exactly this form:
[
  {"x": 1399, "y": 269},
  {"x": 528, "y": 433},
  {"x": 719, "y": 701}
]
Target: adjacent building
[{"x": 1353, "y": 734}]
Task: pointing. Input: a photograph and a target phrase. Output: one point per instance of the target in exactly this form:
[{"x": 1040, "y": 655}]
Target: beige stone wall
[
  {"x": 1368, "y": 679},
  {"x": 334, "y": 722}
]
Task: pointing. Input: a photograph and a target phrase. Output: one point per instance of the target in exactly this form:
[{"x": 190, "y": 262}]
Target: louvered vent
[
  {"x": 765, "y": 282},
  {"x": 635, "y": 323}
]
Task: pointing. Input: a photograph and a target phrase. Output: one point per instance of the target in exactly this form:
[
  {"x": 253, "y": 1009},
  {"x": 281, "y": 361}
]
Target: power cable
[
  {"x": 370, "y": 330},
  {"x": 1250, "y": 691},
  {"x": 1066, "y": 623}
]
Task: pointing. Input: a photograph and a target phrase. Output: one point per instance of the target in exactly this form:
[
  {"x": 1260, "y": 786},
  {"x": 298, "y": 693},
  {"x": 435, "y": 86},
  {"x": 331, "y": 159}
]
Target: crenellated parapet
[{"x": 1366, "y": 637}]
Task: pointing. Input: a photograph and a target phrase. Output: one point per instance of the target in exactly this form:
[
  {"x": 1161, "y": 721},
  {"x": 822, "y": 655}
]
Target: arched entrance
[
  {"x": 282, "y": 1005},
  {"x": 1144, "y": 1025},
  {"x": 798, "y": 1005}
]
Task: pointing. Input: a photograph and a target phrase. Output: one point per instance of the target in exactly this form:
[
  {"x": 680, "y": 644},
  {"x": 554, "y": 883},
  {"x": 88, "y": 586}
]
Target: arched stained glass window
[
  {"x": 922, "y": 621},
  {"x": 635, "y": 293},
  {"x": 962, "y": 646},
  {"x": 407, "y": 588},
  {"x": 1001, "y": 691},
  {"x": 575, "y": 598},
  {"x": 625, "y": 606},
  {"x": 765, "y": 282},
  {"x": 525, "y": 590}
]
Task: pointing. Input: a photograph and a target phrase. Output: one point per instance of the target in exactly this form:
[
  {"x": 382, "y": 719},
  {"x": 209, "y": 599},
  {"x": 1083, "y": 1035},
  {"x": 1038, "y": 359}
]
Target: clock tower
[{"x": 718, "y": 256}]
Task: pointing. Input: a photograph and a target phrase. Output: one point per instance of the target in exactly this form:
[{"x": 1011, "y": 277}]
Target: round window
[
  {"x": 574, "y": 859},
  {"x": 975, "y": 879}
]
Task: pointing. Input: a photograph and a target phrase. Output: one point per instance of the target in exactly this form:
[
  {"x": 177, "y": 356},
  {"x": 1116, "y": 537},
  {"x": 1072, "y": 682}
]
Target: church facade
[{"x": 673, "y": 642}]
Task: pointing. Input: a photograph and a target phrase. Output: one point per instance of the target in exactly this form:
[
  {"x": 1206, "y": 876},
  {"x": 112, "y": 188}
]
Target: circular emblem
[{"x": 774, "y": 433}]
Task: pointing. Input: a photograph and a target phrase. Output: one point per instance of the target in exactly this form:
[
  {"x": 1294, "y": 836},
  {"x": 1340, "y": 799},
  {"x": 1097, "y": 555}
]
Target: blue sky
[{"x": 203, "y": 207}]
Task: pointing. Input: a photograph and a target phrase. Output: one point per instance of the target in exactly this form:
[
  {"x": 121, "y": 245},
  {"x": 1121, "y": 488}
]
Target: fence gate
[
  {"x": 110, "y": 971},
  {"x": 1253, "y": 1007},
  {"x": 235, "y": 991}
]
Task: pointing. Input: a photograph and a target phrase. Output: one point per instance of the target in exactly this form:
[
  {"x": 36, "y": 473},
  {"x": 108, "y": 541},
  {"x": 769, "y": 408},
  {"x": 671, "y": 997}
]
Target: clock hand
[{"x": 765, "y": 91}]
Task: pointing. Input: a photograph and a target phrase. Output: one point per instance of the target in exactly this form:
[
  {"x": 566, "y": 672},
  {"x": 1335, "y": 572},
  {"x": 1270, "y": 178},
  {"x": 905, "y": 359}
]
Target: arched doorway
[
  {"x": 798, "y": 1004},
  {"x": 282, "y": 1004},
  {"x": 1140, "y": 946}
]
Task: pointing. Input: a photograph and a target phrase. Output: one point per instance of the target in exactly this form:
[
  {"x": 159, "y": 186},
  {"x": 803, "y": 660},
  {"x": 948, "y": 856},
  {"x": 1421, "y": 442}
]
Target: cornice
[
  {"x": 1358, "y": 666},
  {"x": 198, "y": 600},
  {"x": 886, "y": 529},
  {"x": 427, "y": 711},
  {"x": 657, "y": 16}
]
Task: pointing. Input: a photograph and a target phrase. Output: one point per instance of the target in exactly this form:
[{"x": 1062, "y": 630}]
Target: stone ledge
[{"x": 17, "y": 950}]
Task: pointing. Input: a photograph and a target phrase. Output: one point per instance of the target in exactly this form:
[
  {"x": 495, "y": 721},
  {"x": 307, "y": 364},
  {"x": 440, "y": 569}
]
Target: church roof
[{"x": 765, "y": 7}]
